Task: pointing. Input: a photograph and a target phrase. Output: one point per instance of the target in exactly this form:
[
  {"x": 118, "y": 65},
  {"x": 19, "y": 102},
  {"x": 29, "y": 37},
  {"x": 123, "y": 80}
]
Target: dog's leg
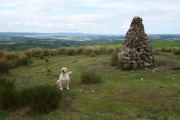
[
  {"x": 67, "y": 85},
  {"x": 60, "y": 86}
]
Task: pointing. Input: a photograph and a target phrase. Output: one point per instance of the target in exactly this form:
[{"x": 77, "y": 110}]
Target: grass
[
  {"x": 5, "y": 66},
  {"x": 90, "y": 77},
  {"x": 39, "y": 98},
  {"x": 121, "y": 95},
  {"x": 177, "y": 51}
]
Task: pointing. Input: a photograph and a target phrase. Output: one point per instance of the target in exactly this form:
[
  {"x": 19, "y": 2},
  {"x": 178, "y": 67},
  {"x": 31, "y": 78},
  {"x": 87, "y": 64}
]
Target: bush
[
  {"x": 118, "y": 48},
  {"x": 166, "y": 49},
  {"x": 22, "y": 60},
  {"x": 2, "y": 53},
  {"x": 90, "y": 77},
  {"x": 54, "y": 52},
  {"x": 98, "y": 50},
  {"x": 46, "y": 52},
  {"x": 88, "y": 50},
  {"x": 10, "y": 56},
  {"x": 7, "y": 94},
  {"x": 36, "y": 52},
  {"x": 4, "y": 66},
  {"x": 177, "y": 51},
  {"x": 62, "y": 50},
  {"x": 156, "y": 51},
  {"x": 47, "y": 60},
  {"x": 80, "y": 50},
  {"x": 28, "y": 53},
  {"x": 71, "y": 51},
  {"x": 114, "y": 59},
  {"x": 110, "y": 49},
  {"x": 41, "y": 98}
]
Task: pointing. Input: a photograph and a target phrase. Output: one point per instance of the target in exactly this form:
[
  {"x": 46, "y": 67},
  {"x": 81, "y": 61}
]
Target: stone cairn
[{"x": 136, "y": 50}]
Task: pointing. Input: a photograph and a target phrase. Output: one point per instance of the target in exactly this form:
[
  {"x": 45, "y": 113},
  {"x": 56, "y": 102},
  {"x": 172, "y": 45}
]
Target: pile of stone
[{"x": 136, "y": 49}]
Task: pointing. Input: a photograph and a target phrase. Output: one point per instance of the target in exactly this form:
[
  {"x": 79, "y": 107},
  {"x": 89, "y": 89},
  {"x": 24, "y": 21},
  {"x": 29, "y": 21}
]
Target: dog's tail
[{"x": 70, "y": 72}]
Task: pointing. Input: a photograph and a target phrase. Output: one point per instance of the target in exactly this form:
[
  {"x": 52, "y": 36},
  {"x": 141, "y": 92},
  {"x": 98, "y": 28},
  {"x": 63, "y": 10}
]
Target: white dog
[{"x": 64, "y": 79}]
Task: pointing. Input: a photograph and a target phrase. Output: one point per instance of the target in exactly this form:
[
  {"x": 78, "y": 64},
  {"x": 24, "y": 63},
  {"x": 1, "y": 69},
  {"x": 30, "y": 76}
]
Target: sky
[{"x": 89, "y": 16}]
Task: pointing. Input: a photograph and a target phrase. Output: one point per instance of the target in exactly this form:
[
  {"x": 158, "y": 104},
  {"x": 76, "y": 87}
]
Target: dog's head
[{"x": 64, "y": 70}]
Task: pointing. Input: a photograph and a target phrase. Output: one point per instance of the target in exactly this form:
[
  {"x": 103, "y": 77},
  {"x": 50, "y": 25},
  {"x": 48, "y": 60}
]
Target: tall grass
[
  {"x": 7, "y": 94},
  {"x": 2, "y": 53},
  {"x": 166, "y": 49},
  {"x": 90, "y": 77},
  {"x": 4, "y": 66},
  {"x": 46, "y": 52},
  {"x": 62, "y": 50},
  {"x": 41, "y": 98},
  {"x": 156, "y": 51},
  {"x": 177, "y": 51},
  {"x": 71, "y": 51},
  {"x": 88, "y": 50},
  {"x": 10, "y": 56},
  {"x": 110, "y": 49},
  {"x": 36, "y": 52},
  {"x": 114, "y": 58}
]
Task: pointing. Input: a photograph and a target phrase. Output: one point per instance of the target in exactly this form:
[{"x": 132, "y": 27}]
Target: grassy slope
[{"x": 122, "y": 95}]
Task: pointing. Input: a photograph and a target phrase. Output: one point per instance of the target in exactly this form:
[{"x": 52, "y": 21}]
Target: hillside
[
  {"x": 152, "y": 93},
  {"x": 22, "y": 41}
]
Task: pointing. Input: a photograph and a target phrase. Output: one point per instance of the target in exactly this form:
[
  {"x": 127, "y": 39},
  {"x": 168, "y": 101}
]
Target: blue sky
[{"x": 89, "y": 16}]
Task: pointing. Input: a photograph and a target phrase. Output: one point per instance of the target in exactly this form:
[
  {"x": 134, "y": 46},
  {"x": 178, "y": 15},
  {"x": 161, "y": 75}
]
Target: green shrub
[
  {"x": 118, "y": 48},
  {"x": 28, "y": 53},
  {"x": 42, "y": 57},
  {"x": 88, "y": 50},
  {"x": 46, "y": 52},
  {"x": 110, "y": 49},
  {"x": 47, "y": 60},
  {"x": 54, "y": 52},
  {"x": 2, "y": 53},
  {"x": 23, "y": 60},
  {"x": 36, "y": 52},
  {"x": 10, "y": 56},
  {"x": 114, "y": 59},
  {"x": 71, "y": 51},
  {"x": 90, "y": 77},
  {"x": 41, "y": 98},
  {"x": 7, "y": 94},
  {"x": 98, "y": 50},
  {"x": 166, "y": 49},
  {"x": 62, "y": 50},
  {"x": 177, "y": 51},
  {"x": 80, "y": 50},
  {"x": 4, "y": 66},
  {"x": 156, "y": 51}
]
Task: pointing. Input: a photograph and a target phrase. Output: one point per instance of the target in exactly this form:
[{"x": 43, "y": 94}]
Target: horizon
[
  {"x": 89, "y": 17},
  {"x": 80, "y": 33}
]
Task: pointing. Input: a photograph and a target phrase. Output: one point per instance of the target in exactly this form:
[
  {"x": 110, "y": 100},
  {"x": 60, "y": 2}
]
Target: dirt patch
[
  {"x": 68, "y": 103},
  {"x": 25, "y": 111},
  {"x": 167, "y": 64}
]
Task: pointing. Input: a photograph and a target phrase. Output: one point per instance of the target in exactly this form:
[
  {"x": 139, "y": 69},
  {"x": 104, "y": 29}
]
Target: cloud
[{"x": 91, "y": 16}]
